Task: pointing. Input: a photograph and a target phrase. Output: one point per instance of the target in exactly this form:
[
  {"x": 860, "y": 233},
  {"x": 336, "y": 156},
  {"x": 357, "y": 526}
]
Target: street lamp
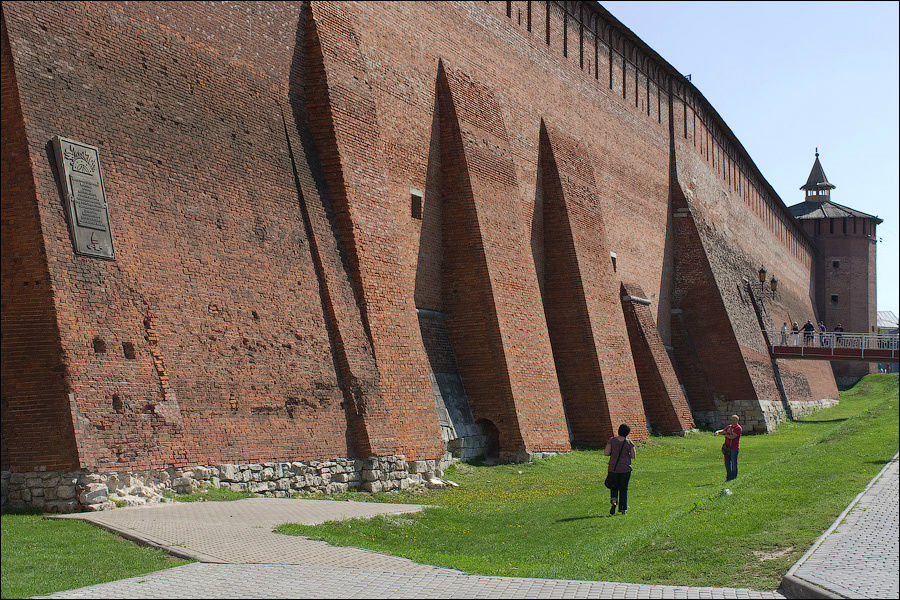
[
  {"x": 762, "y": 277},
  {"x": 773, "y": 285}
]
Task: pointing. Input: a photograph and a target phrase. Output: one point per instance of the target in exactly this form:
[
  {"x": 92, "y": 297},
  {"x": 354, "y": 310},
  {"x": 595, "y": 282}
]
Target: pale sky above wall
[{"x": 790, "y": 76}]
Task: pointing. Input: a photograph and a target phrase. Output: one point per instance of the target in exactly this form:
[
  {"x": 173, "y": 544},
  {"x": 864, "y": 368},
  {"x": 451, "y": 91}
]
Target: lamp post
[
  {"x": 762, "y": 277},
  {"x": 773, "y": 285}
]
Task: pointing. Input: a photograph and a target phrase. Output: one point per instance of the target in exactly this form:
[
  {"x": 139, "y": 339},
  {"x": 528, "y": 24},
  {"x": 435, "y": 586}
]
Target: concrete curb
[{"x": 793, "y": 586}]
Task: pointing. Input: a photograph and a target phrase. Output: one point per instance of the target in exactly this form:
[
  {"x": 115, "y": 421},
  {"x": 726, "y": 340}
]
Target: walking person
[
  {"x": 822, "y": 331},
  {"x": 837, "y": 334},
  {"x": 730, "y": 449},
  {"x": 795, "y": 333},
  {"x": 784, "y": 334},
  {"x": 619, "y": 469}
]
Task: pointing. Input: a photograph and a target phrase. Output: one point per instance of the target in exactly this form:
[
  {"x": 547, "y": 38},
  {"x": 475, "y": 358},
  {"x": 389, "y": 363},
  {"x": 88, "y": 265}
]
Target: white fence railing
[{"x": 834, "y": 340}]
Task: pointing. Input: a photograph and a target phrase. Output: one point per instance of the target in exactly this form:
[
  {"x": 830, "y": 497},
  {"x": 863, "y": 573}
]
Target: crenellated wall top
[{"x": 594, "y": 21}]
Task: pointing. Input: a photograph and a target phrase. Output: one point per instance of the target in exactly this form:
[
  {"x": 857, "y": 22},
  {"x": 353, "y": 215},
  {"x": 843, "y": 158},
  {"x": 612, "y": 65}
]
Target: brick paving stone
[{"x": 858, "y": 556}]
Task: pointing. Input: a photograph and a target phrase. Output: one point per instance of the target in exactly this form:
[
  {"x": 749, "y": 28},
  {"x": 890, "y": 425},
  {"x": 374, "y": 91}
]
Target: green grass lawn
[
  {"x": 41, "y": 556},
  {"x": 550, "y": 518},
  {"x": 210, "y": 495}
]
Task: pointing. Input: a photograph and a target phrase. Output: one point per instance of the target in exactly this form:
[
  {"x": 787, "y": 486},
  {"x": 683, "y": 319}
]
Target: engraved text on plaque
[{"x": 86, "y": 208}]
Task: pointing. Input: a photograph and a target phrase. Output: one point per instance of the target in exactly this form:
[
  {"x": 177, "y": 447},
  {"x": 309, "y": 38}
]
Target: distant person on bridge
[
  {"x": 822, "y": 331},
  {"x": 784, "y": 334},
  {"x": 808, "y": 333},
  {"x": 795, "y": 334},
  {"x": 731, "y": 446},
  {"x": 837, "y": 333}
]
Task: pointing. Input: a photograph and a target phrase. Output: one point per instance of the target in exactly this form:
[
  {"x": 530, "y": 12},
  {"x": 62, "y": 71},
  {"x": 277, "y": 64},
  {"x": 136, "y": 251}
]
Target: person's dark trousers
[
  {"x": 619, "y": 493},
  {"x": 731, "y": 468}
]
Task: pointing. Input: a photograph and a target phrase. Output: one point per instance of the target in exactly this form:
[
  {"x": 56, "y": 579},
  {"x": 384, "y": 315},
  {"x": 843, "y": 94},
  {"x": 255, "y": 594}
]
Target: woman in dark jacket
[{"x": 620, "y": 451}]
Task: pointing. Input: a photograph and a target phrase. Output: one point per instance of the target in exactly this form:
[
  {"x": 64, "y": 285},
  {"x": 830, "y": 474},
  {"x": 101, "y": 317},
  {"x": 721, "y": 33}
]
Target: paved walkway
[
  {"x": 240, "y": 532},
  {"x": 859, "y": 555},
  {"x": 205, "y": 580},
  {"x": 241, "y": 557}
]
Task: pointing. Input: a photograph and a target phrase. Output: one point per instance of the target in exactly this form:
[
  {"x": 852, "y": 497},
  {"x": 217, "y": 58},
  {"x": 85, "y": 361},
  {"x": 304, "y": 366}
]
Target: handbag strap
[{"x": 622, "y": 447}]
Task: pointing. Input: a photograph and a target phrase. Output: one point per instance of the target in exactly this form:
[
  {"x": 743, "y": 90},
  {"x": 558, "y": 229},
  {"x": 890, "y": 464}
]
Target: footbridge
[{"x": 833, "y": 345}]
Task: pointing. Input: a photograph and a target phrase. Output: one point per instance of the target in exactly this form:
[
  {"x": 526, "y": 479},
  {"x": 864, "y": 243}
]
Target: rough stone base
[
  {"x": 707, "y": 419},
  {"x": 467, "y": 448},
  {"x": 757, "y": 416},
  {"x": 798, "y": 409},
  {"x": 56, "y": 491}
]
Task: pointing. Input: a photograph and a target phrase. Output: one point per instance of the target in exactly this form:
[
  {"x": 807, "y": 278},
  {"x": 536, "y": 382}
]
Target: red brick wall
[
  {"x": 664, "y": 402},
  {"x": 477, "y": 141},
  {"x": 741, "y": 226},
  {"x": 211, "y": 248},
  {"x": 270, "y": 291},
  {"x": 581, "y": 298},
  {"x": 37, "y": 424},
  {"x": 346, "y": 130}
]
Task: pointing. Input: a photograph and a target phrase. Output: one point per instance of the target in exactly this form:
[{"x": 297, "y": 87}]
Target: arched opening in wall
[{"x": 491, "y": 440}]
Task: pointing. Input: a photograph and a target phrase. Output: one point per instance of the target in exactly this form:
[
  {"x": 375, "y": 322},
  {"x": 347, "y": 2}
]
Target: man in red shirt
[{"x": 732, "y": 435}]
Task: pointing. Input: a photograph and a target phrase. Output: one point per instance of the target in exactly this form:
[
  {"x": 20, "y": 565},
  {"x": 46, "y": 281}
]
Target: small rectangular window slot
[
  {"x": 834, "y": 298},
  {"x": 415, "y": 202},
  {"x": 836, "y": 264},
  {"x": 612, "y": 256}
]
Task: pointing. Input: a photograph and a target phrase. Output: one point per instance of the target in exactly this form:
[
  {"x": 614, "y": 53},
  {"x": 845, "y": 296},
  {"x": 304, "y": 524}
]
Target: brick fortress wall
[{"x": 261, "y": 163}]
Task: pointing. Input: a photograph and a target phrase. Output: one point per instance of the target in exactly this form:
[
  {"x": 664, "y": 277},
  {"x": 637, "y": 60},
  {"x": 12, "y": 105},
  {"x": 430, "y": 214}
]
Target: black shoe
[
  {"x": 612, "y": 510},
  {"x": 622, "y": 512}
]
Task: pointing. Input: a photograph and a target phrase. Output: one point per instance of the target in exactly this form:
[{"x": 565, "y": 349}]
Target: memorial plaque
[{"x": 82, "y": 188}]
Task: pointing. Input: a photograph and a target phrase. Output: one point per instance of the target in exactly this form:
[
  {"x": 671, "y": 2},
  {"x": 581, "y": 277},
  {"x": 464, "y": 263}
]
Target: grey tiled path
[
  {"x": 204, "y": 580},
  {"x": 858, "y": 556},
  {"x": 241, "y": 531},
  {"x": 243, "y": 558}
]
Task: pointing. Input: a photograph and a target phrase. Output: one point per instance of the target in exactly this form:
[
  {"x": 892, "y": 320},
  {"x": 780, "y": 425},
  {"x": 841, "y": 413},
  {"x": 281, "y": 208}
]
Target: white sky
[{"x": 788, "y": 77}]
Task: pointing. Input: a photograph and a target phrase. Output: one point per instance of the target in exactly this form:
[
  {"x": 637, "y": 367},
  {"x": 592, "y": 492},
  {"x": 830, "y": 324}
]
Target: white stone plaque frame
[{"x": 83, "y": 193}]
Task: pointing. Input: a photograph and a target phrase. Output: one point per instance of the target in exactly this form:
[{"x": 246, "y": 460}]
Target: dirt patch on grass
[{"x": 772, "y": 554}]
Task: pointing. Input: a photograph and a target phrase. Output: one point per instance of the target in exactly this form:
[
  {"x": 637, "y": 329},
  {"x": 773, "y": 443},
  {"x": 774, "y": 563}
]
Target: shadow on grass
[
  {"x": 23, "y": 511},
  {"x": 877, "y": 462},
  {"x": 805, "y": 421},
  {"x": 569, "y": 519}
]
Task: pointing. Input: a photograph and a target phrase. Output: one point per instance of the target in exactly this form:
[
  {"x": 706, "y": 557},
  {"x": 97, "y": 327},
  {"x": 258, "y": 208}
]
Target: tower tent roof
[
  {"x": 817, "y": 179},
  {"x": 827, "y": 210}
]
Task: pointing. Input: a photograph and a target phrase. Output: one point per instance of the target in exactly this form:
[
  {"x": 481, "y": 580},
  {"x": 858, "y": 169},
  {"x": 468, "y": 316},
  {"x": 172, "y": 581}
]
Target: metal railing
[{"x": 834, "y": 340}]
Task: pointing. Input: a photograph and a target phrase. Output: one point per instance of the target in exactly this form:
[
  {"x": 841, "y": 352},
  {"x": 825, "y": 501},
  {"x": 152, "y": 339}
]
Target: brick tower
[{"x": 844, "y": 267}]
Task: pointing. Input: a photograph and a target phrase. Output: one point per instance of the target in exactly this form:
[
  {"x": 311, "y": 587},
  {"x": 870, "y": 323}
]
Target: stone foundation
[
  {"x": 56, "y": 491},
  {"x": 466, "y": 448},
  {"x": 707, "y": 419},
  {"x": 775, "y": 412},
  {"x": 757, "y": 416}
]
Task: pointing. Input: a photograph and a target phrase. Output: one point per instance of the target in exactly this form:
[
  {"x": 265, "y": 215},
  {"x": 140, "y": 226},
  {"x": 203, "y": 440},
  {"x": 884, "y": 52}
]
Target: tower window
[
  {"x": 834, "y": 298},
  {"x": 836, "y": 264}
]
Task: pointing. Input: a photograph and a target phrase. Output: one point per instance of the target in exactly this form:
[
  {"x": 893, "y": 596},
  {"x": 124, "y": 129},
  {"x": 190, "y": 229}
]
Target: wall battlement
[{"x": 586, "y": 35}]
